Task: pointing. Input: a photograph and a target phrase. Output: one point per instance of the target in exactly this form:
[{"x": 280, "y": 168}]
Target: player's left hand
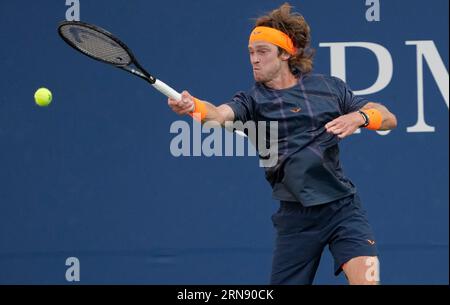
[{"x": 345, "y": 125}]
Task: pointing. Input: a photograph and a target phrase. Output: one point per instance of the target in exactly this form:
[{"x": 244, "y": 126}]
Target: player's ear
[{"x": 284, "y": 55}]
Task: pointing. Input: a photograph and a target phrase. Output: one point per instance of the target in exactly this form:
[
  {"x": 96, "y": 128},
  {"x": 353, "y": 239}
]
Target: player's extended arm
[
  {"x": 208, "y": 111},
  {"x": 347, "y": 124}
]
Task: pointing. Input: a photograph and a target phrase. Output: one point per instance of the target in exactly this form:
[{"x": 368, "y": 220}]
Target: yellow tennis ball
[{"x": 43, "y": 97}]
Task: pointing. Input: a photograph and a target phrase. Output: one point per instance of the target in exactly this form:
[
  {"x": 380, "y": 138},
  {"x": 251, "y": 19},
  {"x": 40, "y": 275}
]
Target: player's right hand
[{"x": 184, "y": 106}]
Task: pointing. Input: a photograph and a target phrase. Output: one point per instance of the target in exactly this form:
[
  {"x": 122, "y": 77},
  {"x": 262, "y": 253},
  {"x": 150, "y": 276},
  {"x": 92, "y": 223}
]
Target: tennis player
[{"x": 319, "y": 205}]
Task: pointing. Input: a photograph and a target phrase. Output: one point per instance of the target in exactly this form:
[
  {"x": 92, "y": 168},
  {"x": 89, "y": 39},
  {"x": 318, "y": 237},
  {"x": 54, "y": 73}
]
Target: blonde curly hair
[{"x": 296, "y": 27}]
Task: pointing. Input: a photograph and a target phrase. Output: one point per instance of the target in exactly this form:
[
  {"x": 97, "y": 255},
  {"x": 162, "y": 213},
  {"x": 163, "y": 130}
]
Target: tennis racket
[{"x": 103, "y": 46}]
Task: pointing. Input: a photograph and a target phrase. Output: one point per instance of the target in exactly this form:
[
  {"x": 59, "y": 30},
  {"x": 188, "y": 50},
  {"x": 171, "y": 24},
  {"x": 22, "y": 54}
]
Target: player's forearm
[
  {"x": 213, "y": 114},
  {"x": 219, "y": 114},
  {"x": 389, "y": 120},
  {"x": 201, "y": 110}
]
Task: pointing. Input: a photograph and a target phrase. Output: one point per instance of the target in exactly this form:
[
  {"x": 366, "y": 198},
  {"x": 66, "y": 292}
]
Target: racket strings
[{"x": 96, "y": 44}]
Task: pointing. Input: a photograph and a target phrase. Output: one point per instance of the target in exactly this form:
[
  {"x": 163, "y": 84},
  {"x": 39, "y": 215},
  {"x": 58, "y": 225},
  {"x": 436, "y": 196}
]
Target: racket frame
[{"x": 138, "y": 70}]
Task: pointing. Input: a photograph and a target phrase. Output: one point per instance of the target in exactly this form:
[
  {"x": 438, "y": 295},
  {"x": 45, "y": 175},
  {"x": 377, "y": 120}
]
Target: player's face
[{"x": 265, "y": 61}]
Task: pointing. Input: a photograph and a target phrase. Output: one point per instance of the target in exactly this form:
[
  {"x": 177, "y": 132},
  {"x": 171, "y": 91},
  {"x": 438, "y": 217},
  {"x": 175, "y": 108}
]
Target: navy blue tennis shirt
[{"x": 308, "y": 169}]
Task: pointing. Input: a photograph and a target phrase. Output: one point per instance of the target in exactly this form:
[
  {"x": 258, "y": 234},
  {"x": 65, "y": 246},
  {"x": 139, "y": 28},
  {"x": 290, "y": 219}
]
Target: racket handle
[{"x": 166, "y": 90}]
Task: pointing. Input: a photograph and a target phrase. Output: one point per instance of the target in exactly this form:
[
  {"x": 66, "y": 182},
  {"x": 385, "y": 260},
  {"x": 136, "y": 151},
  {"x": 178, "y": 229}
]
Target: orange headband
[{"x": 275, "y": 37}]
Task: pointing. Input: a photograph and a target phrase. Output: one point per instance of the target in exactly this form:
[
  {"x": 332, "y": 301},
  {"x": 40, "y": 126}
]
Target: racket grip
[{"x": 166, "y": 90}]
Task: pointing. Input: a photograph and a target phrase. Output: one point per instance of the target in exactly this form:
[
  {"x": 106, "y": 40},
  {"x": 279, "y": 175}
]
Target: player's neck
[{"x": 284, "y": 80}]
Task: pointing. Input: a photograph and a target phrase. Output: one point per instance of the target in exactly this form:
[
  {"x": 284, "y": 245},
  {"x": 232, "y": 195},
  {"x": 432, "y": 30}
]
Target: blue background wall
[{"x": 92, "y": 175}]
